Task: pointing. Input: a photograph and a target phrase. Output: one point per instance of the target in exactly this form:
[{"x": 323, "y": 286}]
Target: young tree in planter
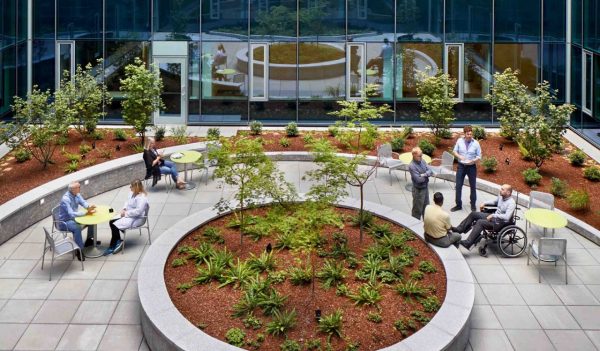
[
  {"x": 38, "y": 124},
  {"x": 511, "y": 102},
  {"x": 242, "y": 163},
  {"x": 436, "y": 96},
  {"x": 142, "y": 88},
  {"x": 86, "y": 97}
]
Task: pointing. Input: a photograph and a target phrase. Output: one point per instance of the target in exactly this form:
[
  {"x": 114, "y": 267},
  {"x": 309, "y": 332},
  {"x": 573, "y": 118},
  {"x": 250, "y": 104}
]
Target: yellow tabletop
[
  {"x": 407, "y": 158},
  {"x": 226, "y": 71},
  {"x": 545, "y": 218},
  {"x": 186, "y": 156},
  {"x": 101, "y": 215},
  {"x": 371, "y": 72}
]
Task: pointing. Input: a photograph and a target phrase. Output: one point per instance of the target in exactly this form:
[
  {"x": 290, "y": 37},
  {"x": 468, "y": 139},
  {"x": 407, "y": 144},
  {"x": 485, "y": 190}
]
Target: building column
[
  {"x": 568, "y": 54},
  {"x": 29, "y": 45}
]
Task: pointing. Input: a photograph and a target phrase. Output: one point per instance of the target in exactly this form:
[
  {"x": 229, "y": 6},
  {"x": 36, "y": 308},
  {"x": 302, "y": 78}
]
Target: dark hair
[
  {"x": 467, "y": 128},
  {"x": 438, "y": 198}
]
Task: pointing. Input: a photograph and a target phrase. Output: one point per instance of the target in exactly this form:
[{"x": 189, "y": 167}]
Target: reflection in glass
[
  {"x": 282, "y": 71},
  {"x": 127, "y": 19},
  {"x": 418, "y": 20},
  {"x": 170, "y": 72},
  {"x": 412, "y": 58},
  {"x": 380, "y": 71},
  {"x": 79, "y": 19},
  {"x": 517, "y": 20},
  {"x": 43, "y": 60},
  {"x": 230, "y": 17},
  {"x": 322, "y": 17},
  {"x": 43, "y": 19},
  {"x": 523, "y": 57},
  {"x": 453, "y": 57},
  {"x": 576, "y": 76},
  {"x": 588, "y": 82},
  {"x": 322, "y": 70},
  {"x": 277, "y": 18},
  {"x": 356, "y": 69},
  {"x": 258, "y": 70},
  {"x": 468, "y": 20},
  {"x": 370, "y": 16},
  {"x": 176, "y": 19},
  {"x": 554, "y": 68},
  {"x": 65, "y": 61},
  {"x": 476, "y": 71},
  {"x": 224, "y": 70}
]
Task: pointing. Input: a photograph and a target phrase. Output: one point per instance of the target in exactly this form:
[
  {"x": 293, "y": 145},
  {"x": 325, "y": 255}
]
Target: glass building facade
[{"x": 231, "y": 61}]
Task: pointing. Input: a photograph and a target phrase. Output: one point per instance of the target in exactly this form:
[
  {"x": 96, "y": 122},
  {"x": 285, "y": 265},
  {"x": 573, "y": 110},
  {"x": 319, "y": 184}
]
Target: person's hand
[
  {"x": 481, "y": 207},
  {"x": 123, "y": 213},
  {"x": 93, "y": 207},
  {"x": 489, "y": 218},
  {"x": 91, "y": 210}
]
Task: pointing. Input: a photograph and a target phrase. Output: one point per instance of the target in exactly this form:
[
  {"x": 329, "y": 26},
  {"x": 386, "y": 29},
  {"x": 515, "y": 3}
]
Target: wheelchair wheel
[{"x": 512, "y": 241}]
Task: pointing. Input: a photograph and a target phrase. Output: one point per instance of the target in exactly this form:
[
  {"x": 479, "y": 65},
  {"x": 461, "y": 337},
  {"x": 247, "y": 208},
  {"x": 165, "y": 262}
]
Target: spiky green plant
[
  {"x": 332, "y": 273},
  {"x": 282, "y": 322}
]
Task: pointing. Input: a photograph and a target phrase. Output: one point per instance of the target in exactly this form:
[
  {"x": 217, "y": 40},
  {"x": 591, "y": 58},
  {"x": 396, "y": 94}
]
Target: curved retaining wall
[{"x": 165, "y": 328}]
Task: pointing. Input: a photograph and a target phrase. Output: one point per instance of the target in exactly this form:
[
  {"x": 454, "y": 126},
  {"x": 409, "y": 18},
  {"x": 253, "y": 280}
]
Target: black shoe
[
  {"x": 473, "y": 209},
  {"x": 90, "y": 242},
  {"x": 456, "y": 208},
  {"x": 466, "y": 244},
  {"x": 456, "y": 244},
  {"x": 454, "y": 229},
  {"x": 79, "y": 256},
  {"x": 154, "y": 181}
]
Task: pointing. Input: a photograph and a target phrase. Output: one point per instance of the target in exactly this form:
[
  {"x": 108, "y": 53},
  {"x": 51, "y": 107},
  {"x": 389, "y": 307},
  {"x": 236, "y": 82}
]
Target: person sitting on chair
[
  {"x": 155, "y": 164},
  {"x": 436, "y": 224},
  {"x": 479, "y": 221},
  {"x": 131, "y": 215},
  {"x": 68, "y": 210}
]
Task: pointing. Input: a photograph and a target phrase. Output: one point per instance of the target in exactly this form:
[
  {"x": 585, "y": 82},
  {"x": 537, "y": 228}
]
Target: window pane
[
  {"x": 43, "y": 64},
  {"x": 7, "y": 78},
  {"x": 453, "y": 57},
  {"x": 380, "y": 69},
  {"x": 554, "y": 20},
  {"x": 127, "y": 19},
  {"x": 588, "y": 82},
  {"x": 273, "y": 18},
  {"x": 322, "y": 70},
  {"x": 412, "y": 58},
  {"x": 576, "y": 22},
  {"x": 418, "y": 20},
  {"x": 79, "y": 19},
  {"x": 523, "y": 57},
  {"x": 8, "y": 23},
  {"x": 224, "y": 70},
  {"x": 322, "y": 17},
  {"x": 517, "y": 20},
  {"x": 43, "y": 19},
  {"x": 591, "y": 25},
  {"x": 176, "y": 19},
  {"x": 370, "y": 17},
  {"x": 231, "y": 17},
  {"x": 477, "y": 71},
  {"x": 554, "y": 68},
  {"x": 282, "y": 71},
  {"x": 468, "y": 20},
  {"x": 576, "y": 76}
]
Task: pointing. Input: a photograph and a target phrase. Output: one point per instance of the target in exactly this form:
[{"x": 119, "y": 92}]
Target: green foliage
[
  {"x": 142, "y": 88},
  {"x": 380, "y": 251},
  {"x": 284, "y": 142},
  {"x": 372, "y": 266},
  {"x": 426, "y": 146},
  {"x": 264, "y": 262},
  {"x": 300, "y": 276},
  {"x": 367, "y": 294},
  {"x": 490, "y": 164},
  {"x": 405, "y": 325},
  {"x": 97, "y": 135},
  {"x": 71, "y": 167},
  {"x": 430, "y": 303},
  {"x": 532, "y": 176},
  {"x": 137, "y": 148},
  {"x": 62, "y": 139},
  {"x": 313, "y": 344},
  {"x": 248, "y": 303},
  {"x": 578, "y": 200},
  {"x": 201, "y": 253},
  {"x": 184, "y": 287},
  {"x": 445, "y": 133},
  {"x": 427, "y": 267},
  {"x": 370, "y": 137},
  {"x": 342, "y": 290},
  {"x": 397, "y": 144},
  {"x": 277, "y": 277},
  {"x": 420, "y": 316},
  {"x": 290, "y": 345},
  {"x": 411, "y": 288},
  {"x": 436, "y": 96},
  {"x": 352, "y": 346},
  {"x": 392, "y": 241},
  {"x": 592, "y": 173},
  {"x": 213, "y": 235},
  {"x": 84, "y": 148},
  {"x": 238, "y": 274},
  {"x": 213, "y": 133},
  {"x": 479, "y": 133},
  {"x": 308, "y": 138},
  {"x": 363, "y": 218},
  {"x": 178, "y": 262},
  {"x": 71, "y": 157},
  {"x": 331, "y": 324},
  {"x": 291, "y": 130},
  {"x": 282, "y": 322},
  {"x": 212, "y": 271},
  {"x": 180, "y": 134},
  {"x": 159, "y": 132},
  {"x": 416, "y": 275},
  {"x": 252, "y": 322},
  {"x": 577, "y": 158},
  {"x": 558, "y": 187},
  {"x": 378, "y": 231},
  {"x": 332, "y": 273},
  {"x": 256, "y": 127},
  {"x": 374, "y": 317},
  {"x": 235, "y": 337},
  {"x": 271, "y": 302},
  {"x": 510, "y": 100},
  {"x": 22, "y": 154},
  {"x": 333, "y": 130},
  {"x": 120, "y": 134}
]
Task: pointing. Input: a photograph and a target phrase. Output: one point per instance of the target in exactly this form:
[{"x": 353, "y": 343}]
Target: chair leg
[
  {"x": 51, "y": 265},
  {"x": 566, "y": 279},
  {"x": 81, "y": 254},
  {"x": 539, "y": 271},
  {"x": 43, "y": 255},
  {"x": 149, "y": 237}
]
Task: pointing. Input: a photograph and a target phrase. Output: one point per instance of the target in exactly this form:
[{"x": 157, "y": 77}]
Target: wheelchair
[{"x": 510, "y": 238}]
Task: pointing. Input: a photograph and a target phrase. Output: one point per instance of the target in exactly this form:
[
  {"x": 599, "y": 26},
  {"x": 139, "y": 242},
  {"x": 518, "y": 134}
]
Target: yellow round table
[
  {"x": 226, "y": 71},
  {"x": 545, "y": 218},
  {"x": 406, "y": 158},
  {"x": 101, "y": 215},
  {"x": 184, "y": 158},
  {"x": 371, "y": 72}
]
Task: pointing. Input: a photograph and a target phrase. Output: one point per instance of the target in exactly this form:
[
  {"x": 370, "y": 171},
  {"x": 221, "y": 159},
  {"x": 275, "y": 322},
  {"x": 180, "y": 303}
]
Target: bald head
[{"x": 74, "y": 188}]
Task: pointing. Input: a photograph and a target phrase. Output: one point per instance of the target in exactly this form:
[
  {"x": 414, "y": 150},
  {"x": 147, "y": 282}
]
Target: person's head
[
  {"x": 137, "y": 187},
  {"x": 505, "y": 190},
  {"x": 75, "y": 188},
  {"x": 386, "y": 41},
  {"x": 417, "y": 153},
  {"x": 438, "y": 198},
  {"x": 221, "y": 47},
  {"x": 150, "y": 143},
  {"x": 468, "y": 130}
]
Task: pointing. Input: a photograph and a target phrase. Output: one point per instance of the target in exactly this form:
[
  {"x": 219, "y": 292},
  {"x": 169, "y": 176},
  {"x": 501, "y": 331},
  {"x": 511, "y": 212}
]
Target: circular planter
[{"x": 165, "y": 328}]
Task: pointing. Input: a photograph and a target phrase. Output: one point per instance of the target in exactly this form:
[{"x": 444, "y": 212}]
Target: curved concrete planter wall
[{"x": 165, "y": 328}]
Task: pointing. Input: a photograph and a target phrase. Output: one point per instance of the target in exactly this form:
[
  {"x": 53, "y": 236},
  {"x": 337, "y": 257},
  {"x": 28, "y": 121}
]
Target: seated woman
[
  {"x": 156, "y": 165},
  {"x": 131, "y": 216}
]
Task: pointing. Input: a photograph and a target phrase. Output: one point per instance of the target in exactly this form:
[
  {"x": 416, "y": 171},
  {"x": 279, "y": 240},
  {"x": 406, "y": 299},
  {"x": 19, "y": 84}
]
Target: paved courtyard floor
[{"x": 98, "y": 308}]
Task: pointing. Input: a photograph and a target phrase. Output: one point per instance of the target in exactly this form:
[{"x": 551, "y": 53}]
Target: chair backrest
[
  {"x": 447, "y": 160},
  {"x": 56, "y": 221},
  {"x": 384, "y": 151},
  {"x": 552, "y": 246},
  {"x": 538, "y": 199},
  {"x": 49, "y": 238}
]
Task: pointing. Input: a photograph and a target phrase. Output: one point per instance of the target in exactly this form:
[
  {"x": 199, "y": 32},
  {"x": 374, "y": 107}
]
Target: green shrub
[
  {"x": 159, "y": 132},
  {"x": 592, "y": 173},
  {"x": 97, "y": 135},
  {"x": 578, "y": 199},
  {"x": 213, "y": 235},
  {"x": 369, "y": 136},
  {"x": 180, "y": 134},
  {"x": 137, "y": 148},
  {"x": 416, "y": 275},
  {"x": 331, "y": 324},
  {"x": 420, "y": 316},
  {"x": 342, "y": 290},
  {"x": 300, "y": 276},
  {"x": 333, "y": 130},
  {"x": 374, "y": 317},
  {"x": 256, "y": 127},
  {"x": 427, "y": 267},
  {"x": 490, "y": 164},
  {"x": 404, "y": 325},
  {"x": 313, "y": 344},
  {"x": 284, "y": 142},
  {"x": 62, "y": 140},
  {"x": 277, "y": 277},
  {"x": 235, "y": 337},
  {"x": 282, "y": 322},
  {"x": 84, "y": 148},
  {"x": 367, "y": 295},
  {"x": 105, "y": 153},
  {"x": 431, "y": 303},
  {"x": 120, "y": 134},
  {"x": 290, "y": 345},
  {"x": 446, "y": 134},
  {"x": 213, "y": 133},
  {"x": 365, "y": 218},
  {"x": 71, "y": 167},
  {"x": 577, "y": 158},
  {"x": 291, "y": 129},
  {"x": 184, "y": 287},
  {"x": 264, "y": 262},
  {"x": 308, "y": 138},
  {"x": 406, "y": 133},
  {"x": 22, "y": 155},
  {"x": 427, "y": 147},
  {"x": 532, "y": 176},
  {"x": 397, "y": 144},
  {"x": 332, "y": 273},
  {"x": 558, "y": 187},
  {"x": 479, "y": 133},
  {"x": 352, "y": 346},
  {"x": 178, "y": 262}
]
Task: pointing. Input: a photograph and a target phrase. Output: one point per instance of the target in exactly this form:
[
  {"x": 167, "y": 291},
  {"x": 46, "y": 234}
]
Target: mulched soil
[{"x": 211, "y": 307}]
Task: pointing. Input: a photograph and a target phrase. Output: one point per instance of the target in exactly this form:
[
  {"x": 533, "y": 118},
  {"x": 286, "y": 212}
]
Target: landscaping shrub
[
  {"x": 235, "y": 337},
  {"x": 252, "y": 322},
  {"x": 369, "y": 137},
  {"x": 97, "y": 135},
  {"x": 577, "y": 158},
  {"x": 282, "y": 322},
  {"x": 22, "y": 155},
  {"x": 490, "y": 164},
  {"x": 578, "y": 199},
  {"x": 290, "y": 345},
  {"x": 284, "y": 142},
  {"x": 180, "y": 134},
  {"x": 374, "y": 317},
  {"x": 256, "y": 127},
  {"x": 331, "y": 324},
  {"x": 479, "y": 133},
  {"x": 84, "y": 148},
  {"x": 333, "y": 130},
  {"x": 592, "y": 173},
  {"x": 436, "y": 99},
  {"x": 558, "y": 187},
  {"x": 71, "y": 167},
  {"x": 532, "y": 177},
  {"x": 446, "y": 134},
  {"x": 291, "y": 129},
  {"x": 407, "y": 132},
  {"x": 308, "y": 138},
  {"x": 72, "y": 157},
  {"x": 120, "y": 134},
  {"x": 397, "y": 144},
  {"x": 427, "y": 147},
  {"x": 159, "y": 132},
  {"x": 213, "y": 133},
  {"x": 62, "y": 140}
]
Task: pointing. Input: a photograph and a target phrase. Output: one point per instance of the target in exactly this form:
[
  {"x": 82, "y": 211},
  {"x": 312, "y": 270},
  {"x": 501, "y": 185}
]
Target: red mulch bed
[{"x": 211, "y": 307}]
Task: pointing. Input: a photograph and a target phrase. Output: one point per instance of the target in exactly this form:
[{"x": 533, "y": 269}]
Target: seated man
[
  {"x": 69, "y": 205},
  {"x": 436, "y": 223},
  {"x": 478, "y": 220}
]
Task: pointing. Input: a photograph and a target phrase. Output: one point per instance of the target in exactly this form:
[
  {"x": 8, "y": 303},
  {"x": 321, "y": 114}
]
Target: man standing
[
  {"x": 436, "y": 224},
  {"x": 69, "y": 206},
  {"x": 505, "y": 209},
  {"x": 468, "y": 152},
  {"x": 419, "y": 173}
]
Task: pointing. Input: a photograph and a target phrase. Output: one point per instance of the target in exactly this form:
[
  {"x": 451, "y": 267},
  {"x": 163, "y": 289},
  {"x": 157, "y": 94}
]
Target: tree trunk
[{"x": 360, "y": 214}]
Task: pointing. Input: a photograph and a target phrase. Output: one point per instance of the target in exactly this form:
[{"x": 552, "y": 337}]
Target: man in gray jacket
[
  {"x": 479, "y": 220},
  {"x": 419, "y": 174}
]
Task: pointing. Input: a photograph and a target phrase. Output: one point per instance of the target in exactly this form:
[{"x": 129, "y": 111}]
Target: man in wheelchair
[{"x": 478, "y": 221}]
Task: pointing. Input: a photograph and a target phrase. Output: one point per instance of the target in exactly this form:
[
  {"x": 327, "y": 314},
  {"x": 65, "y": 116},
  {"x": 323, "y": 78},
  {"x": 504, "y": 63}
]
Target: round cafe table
[
  {"x": 545, "y": 218},
  {"x": 101, "y": 215},
  {"x": 189, "y": 156},
  {"x": 406, "y": 158}
]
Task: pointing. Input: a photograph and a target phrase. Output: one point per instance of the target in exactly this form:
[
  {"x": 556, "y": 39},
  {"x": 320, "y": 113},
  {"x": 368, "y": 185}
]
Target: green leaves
[{"x": 437, "y": 98}]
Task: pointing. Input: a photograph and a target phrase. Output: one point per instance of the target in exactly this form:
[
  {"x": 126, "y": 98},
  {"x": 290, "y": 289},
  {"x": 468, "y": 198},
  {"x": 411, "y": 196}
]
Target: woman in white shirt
[{"x": 132, "y": 214}]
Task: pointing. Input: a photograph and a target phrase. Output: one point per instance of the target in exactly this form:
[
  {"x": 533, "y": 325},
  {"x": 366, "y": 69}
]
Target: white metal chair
[
  {"x": 538, "y": 199},
  {"x": 446, "y": 166},
  {"x": 548, "y": 250},
  {"x": 59, "y": 248},
  {"x": 385, "y": 158},
  {"x": 145, "y": 224},
  {"x": 203, "y": 164}
]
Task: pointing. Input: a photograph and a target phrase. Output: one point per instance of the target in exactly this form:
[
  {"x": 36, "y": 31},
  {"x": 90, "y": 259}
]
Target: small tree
[
  {"x": 86, "y": 97},
  {"x": 142, "y": 88},
  {"x": 511, "y": 102},
  {"x": 437, "y": 98}
]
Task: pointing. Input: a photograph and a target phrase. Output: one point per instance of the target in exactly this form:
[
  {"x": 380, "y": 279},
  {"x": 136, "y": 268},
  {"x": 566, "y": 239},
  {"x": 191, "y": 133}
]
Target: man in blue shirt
[
  {"x": 468, "y": 152},
  {"x": 69, "y": 209}
]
